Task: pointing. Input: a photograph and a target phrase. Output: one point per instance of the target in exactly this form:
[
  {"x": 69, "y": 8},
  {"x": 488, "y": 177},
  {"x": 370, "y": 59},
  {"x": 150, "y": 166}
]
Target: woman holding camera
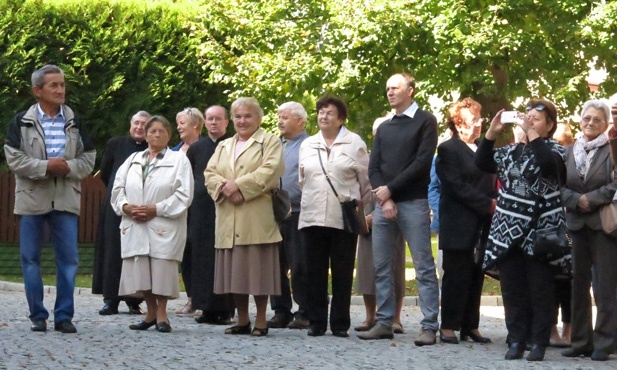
[{"x": 531, "y": 173}]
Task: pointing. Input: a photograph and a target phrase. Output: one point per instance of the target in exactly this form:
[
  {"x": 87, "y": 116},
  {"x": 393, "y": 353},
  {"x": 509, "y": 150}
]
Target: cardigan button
[{"x": 237, "y": 236}]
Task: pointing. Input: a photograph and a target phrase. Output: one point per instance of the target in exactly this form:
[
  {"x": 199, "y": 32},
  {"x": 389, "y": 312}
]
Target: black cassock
[
  {"x": 107, "y": 260},
  {"x": 201, "y": 225}
]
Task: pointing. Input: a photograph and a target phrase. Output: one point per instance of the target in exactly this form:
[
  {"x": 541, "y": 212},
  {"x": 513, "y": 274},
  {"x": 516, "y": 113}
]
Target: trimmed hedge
[{"x": 118, "y": 57}]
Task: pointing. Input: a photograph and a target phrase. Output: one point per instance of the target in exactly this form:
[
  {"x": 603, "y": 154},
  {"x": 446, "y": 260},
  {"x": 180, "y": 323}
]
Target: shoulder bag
[
  {"x": 353, "y": 212},
  {"x": 608, "y": 212}
]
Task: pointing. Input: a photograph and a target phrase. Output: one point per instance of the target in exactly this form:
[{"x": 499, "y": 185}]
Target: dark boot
[{"x": 110, "y": 307}]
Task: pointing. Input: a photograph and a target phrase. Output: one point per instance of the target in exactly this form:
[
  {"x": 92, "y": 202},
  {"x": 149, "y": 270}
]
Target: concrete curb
[{"x": 355, "y": 300}]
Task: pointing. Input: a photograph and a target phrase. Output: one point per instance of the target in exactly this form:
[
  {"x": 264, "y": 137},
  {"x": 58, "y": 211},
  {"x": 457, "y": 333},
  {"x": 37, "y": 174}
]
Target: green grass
[{"x": 491, "y": 286}]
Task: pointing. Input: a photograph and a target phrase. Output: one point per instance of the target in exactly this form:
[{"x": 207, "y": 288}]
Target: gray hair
[
  {"x": 38, "y": 76},
  {"x": 599, "y": 105},
  {"x": 141, "y": 113},
  {"x": 250, "y": 103},
  {"x": 295, "y": 108}
]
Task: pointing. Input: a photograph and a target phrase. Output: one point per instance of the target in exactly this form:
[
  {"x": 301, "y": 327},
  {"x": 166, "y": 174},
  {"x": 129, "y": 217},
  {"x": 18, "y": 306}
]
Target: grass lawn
[{"x": 491, "y": 286}]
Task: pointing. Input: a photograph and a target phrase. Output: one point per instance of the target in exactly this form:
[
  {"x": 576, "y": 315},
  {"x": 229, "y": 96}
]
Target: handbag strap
[{"x": 324, "y": 172}]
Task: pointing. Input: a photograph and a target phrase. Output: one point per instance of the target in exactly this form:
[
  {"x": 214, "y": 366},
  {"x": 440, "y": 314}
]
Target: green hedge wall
[{"x": 118, "y": 57}]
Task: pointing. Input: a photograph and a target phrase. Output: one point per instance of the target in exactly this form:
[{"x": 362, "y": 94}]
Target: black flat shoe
[
  {"x": 447, "y": 339},
  {"x": 237, "y": 329},
  {"x": 476, "y": 338},
  {"x": 39, "y": 325},
  {"x": 315, "y": 332},
  {"x": 259, "y": 332},
  {"x": 516, "y": 351},
  {"x": 143, "y": 325},
  {"x": 537, "y": 353},
  {"x": 163, "y": 327},
  {"x": 340, "y": 333}
]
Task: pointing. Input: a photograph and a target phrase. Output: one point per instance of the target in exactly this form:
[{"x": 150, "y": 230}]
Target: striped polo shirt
[{"x": 53, "y": 129}]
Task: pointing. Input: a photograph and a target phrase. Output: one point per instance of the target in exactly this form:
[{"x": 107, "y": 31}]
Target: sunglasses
[{"x": 539, "y": 107}]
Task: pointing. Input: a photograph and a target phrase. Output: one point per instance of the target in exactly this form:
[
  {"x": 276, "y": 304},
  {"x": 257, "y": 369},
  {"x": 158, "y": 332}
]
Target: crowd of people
[{"x": 206, "y": 205}]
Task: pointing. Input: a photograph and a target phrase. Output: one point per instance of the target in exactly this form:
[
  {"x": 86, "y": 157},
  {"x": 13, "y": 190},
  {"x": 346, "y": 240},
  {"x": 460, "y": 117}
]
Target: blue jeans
[
  {"x": 413, "y": 222},
  {"x": 63, "y": 230}
]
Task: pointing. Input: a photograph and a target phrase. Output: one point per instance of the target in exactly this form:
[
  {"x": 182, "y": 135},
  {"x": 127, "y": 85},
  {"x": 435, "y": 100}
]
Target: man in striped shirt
[{"x": 48, "y": 151}]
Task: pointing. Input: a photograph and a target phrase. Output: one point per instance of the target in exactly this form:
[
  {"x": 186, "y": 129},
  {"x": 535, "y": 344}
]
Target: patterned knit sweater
[{"x": 527, "y": 172}]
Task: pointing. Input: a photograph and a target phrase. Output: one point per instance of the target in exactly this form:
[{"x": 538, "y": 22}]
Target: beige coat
[
  {"x": 346, "y": 163},
  {"x": 256, "y": 171}
]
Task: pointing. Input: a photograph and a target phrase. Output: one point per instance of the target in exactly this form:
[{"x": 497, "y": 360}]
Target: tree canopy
[{"x": 121, "y": 56}]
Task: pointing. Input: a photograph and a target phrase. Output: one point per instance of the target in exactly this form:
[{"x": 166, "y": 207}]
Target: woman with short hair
[
  {"x": 239, "y": 178},
  {"x": 152, "y": 192},
  {"x": 588, "y": 188}
]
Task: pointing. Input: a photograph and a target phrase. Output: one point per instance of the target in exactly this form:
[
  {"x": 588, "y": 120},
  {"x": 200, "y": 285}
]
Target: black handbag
[
  {"x": 552, "y": 245},
  {"x": 280, "y": 204},
  {"x": 354, "y": 221}
]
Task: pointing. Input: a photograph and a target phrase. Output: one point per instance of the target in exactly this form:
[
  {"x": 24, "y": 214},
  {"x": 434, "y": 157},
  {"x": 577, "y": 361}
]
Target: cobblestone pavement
[{"x": 105, "y": 342}]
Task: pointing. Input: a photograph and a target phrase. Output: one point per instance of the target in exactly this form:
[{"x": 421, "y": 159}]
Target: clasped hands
[
  {"x": 57, "y": 167},
  {"x": 388, "y": 207},
  {"x": 232, "y": 192},
  {"x": 139, "y": 213}
]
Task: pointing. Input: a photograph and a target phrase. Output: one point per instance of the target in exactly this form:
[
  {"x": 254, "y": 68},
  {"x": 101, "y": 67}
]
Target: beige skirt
[
  {"x": 248, "y": 269},
  {"x": 365, "y": 268},
  {"x": 144, "y": 273}
]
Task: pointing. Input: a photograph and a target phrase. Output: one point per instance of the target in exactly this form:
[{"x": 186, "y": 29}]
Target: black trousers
[
  {"x": 186, "y": 267},
  {"x": 527, "y": 288},
  {"x": 461, "y": 290},
  {"x": 563, "y": 300},
  {"x": 292, "y": 258},
  {"x": 335, "y": 249}
]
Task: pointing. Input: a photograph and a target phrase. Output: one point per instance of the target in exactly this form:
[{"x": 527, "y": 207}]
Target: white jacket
[
  {"x": 346, "y": 163},
  {"x": 169, "y": 185}
]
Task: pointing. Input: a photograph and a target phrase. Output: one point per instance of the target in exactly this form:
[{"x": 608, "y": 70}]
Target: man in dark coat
[
  {"x": 216, "y": 309},
  {"x": 107, "y": 260}
]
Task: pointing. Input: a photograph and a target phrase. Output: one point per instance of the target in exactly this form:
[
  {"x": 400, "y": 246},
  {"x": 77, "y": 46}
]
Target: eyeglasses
[
  {"x": 214, "y": 119},
  {"x": 188, "y": 111},
  {"x": 538, "y": 107},
  {"x": 595, "y": 120}
]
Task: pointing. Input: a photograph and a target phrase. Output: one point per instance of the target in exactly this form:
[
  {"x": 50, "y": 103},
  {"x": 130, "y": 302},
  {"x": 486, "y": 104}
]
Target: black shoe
[
  {"x": 447, "y": 339},
  {"x": 537, "y": 353},
  {"x": 340, "y": 333},
  {"x": 279, "y": 320},
  {"x": 576, "y": 352},
  {"x": 65, "y": 326},
  {"x": 143, "y": 325},
  {"x": 516, "y": 351},
  {"x": 316, "y": 332},
  {"x": 476, "y": 338},
  {"x": 206, "y": 319},
  {"x": 110, "y": 307},
  {"x": 163, "y": 327},
  {"x": 599, "y": 355},
  {"x": 134, "y": 308},
  {"x": 39, "y": 325}
]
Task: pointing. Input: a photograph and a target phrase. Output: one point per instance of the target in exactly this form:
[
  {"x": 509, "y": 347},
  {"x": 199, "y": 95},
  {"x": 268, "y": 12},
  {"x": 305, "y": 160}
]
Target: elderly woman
[
  {"x": 465, "y": 208},
  {"x": 531, "y": 173},
  {"x": 239, "y": 178},
  {"x": 333, "y": 158},
  {"x": 152, "y": 192},
  {"x": 589, "y": 186},
  {"x": 190, "y": 122}
]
